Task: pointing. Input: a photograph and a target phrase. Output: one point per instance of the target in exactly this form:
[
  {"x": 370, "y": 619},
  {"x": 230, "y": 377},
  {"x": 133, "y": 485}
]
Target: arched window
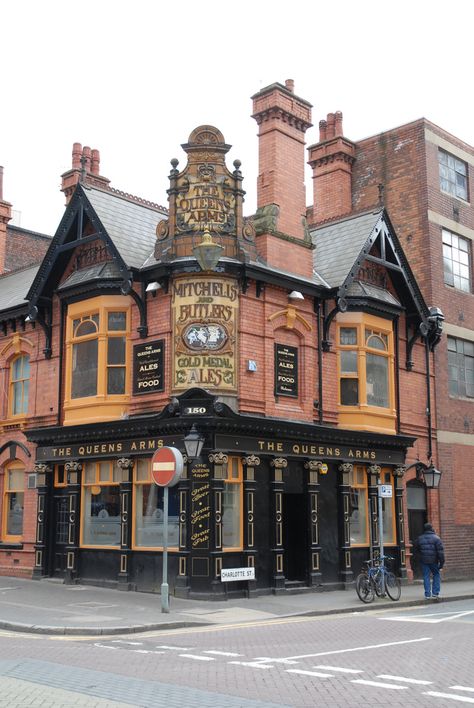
[
  {"x": 13, "y": 502},
  {"x": 19, "y": 384}
]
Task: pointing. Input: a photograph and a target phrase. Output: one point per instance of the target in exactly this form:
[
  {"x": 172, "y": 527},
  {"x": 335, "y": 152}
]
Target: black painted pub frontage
[{"x": 286, "y": 498}]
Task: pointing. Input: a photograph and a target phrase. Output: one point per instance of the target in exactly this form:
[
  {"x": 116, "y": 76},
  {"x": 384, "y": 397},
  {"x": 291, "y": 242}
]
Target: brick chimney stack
[
  {"x": 283, "y": 119},
  {"x": 5, "y": 216},
  {"x": 331, "y": 160},
  {"x": 85, "y": 168}
]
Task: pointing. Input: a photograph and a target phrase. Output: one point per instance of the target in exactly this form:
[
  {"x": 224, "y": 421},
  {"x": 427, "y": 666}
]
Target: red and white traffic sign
[{"x": 166, "y": 466}]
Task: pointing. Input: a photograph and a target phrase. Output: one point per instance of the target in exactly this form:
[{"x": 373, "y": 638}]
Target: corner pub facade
[{"x": 301, "y": 353}]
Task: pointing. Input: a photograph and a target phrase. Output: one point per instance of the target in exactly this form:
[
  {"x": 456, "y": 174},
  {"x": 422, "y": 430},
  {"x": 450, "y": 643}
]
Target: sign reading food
[
  {"x": 148, "y": 369},
  {"x": 286, "y": 370},
  {"x": 204, "y": 320}
]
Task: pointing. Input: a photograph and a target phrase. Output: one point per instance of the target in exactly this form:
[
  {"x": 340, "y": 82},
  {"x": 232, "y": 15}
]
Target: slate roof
[
  {"x": 360, "y": 289},
  {"x": 14, "y": 287},
  {"x": 131, "y": 225},
  {"x": 338, "y": 245},
  {"x": 102, "y": 271}
]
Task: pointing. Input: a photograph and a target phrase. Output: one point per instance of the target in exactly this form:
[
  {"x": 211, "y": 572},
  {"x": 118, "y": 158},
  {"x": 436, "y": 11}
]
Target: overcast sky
[{"x": 133, "y": 79}]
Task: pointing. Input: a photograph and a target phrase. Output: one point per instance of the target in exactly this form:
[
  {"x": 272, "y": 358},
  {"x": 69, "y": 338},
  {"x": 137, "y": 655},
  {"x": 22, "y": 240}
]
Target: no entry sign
[{"x": 166, "y": 466}]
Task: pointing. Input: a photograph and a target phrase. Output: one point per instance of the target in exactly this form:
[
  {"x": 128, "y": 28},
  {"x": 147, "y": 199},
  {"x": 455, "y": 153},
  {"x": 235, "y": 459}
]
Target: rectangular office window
[
  {"x": 452, "y": 175},
  {"x": 456, "y": 261},
  {"x": 461, "y": 367}
]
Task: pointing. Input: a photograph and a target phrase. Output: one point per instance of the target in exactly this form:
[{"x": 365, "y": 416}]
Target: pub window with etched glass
[
  {"x": 101, "y": 503},
  {"x": 358, "y": 506},
  {"x": 232, "y": 529},
  {"x": 13, "y": 502},
  {"x": 149, "y": 510}
]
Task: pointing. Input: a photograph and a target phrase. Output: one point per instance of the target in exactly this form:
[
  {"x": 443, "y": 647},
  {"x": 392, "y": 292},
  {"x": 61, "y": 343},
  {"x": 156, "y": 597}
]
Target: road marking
[
  {"x": 318, "y": 674},
  {"x": 164, "y": 646},
  {"x": 369, "y": 646},
  {"x": 339, "y": 668},
  {"x": 452, "y": 696},
  {"x": 198, "y": 657},
  {"x": 378, "y": 684},
  {"x": 221, "y": 653},
  {"x": 105, "y": 646},
  {"x": 403, "y": 678},
  {"x": 462, "y": 688},
  {"x": 272, "y": 660},
  {"x": 146, "y": 651},
  {"x": 122, "y": 641},
  {"x": 252, "y": 664},
  {"x": 431, "y": 618}
]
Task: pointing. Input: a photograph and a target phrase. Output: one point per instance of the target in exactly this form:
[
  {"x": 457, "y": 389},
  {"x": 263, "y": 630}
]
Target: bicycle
[{"x": 377, "y": 580}]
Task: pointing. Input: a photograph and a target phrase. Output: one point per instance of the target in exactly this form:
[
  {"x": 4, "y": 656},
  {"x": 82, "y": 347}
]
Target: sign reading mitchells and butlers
[{"x": 205, "y": 310}]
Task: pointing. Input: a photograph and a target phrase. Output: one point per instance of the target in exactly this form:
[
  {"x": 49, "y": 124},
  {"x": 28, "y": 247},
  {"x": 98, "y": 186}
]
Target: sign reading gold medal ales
[{"x": 204, "y": 321}]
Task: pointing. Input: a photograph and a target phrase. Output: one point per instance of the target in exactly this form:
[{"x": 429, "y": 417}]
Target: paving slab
[{"x": 51, "y": 607}]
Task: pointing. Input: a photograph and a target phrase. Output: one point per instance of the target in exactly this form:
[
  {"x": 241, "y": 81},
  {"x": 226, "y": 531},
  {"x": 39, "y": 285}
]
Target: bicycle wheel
[
  {"x": 364, "y": 588},
  {"x": 393, "y": 586}
]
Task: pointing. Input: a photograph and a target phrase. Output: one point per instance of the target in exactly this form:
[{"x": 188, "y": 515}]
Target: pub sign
[{"x": 148, "y": 367}]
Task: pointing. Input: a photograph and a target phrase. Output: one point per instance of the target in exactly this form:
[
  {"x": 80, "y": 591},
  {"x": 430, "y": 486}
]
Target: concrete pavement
[{"x": 50, "y": 607}]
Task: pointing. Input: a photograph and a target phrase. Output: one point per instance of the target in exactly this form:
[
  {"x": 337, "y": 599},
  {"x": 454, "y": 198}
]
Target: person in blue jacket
[{"x": 431, "y": 551}]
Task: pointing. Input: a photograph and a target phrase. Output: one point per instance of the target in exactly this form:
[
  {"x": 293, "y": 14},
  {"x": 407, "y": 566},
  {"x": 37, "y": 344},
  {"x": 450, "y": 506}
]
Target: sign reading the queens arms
[{"x": 204, "y": 322}]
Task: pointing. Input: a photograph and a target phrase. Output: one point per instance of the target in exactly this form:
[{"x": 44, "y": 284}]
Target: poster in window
[
  {"x": 286, "y": 370},
  {"x": 148, "y": 367}
]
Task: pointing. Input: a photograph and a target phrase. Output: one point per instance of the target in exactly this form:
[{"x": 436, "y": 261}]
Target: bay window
[
  {"x": 98, "y": 359},
  {"x": 366, "y": 372}
]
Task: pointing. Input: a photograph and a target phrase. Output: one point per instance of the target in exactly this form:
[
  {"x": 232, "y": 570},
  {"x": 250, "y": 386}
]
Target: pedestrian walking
[{"x": 431, "y": 551}]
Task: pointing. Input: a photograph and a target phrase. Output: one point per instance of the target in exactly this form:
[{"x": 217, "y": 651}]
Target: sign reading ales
[
  {"x": 148, "y": 362},
  {"x": 204, "y": 323},
  {"x": 286, "y": 370}
]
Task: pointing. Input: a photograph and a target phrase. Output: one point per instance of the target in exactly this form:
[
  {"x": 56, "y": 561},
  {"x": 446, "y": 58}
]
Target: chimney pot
[
  {"x": 338, "y": 123},
  {"x": 86, "y": 153},
  {"x": 331, "y": 125},
  {"x": 95, "y": 162},
  {"x": 1, "y": 183},
  {"x": 290, "y": 85},
  {"x": 76, "y": 156},
  {"x": 322, "y": 130}
]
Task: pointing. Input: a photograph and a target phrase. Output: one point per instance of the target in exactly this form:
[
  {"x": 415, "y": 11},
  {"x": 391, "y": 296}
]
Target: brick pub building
[{"x": 297, "y": 345}]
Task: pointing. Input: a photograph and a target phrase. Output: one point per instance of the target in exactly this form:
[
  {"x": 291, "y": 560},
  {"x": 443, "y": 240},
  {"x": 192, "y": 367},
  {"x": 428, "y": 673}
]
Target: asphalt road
[{"x": 419, "y": 656}]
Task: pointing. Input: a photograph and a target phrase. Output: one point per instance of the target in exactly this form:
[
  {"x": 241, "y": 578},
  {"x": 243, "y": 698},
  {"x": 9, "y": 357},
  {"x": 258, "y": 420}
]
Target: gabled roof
[
  {"x": 342, "y": 247},
  {"x": 125, "y": 224},
  {"x": 338, "y": 245},
  {"x": 131, "y": 225}
]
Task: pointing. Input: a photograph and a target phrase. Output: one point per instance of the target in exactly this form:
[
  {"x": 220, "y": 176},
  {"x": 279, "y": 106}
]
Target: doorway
[
  {"x": 60, "y": 533},
  {"x": 295, "y": 536},
  {"x": 417, "y": 517}
]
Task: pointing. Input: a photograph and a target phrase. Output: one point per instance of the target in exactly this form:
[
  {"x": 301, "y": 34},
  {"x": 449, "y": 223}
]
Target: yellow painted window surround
[
  {"x": 359, "y": 504},
  {"x": 98, "y": 355},
  {"x": 366, "y": 359},
  {"x": 232, "y": 506},
  {"x": 101, "y": 518},
  {"x": 13, "y": 502}
]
